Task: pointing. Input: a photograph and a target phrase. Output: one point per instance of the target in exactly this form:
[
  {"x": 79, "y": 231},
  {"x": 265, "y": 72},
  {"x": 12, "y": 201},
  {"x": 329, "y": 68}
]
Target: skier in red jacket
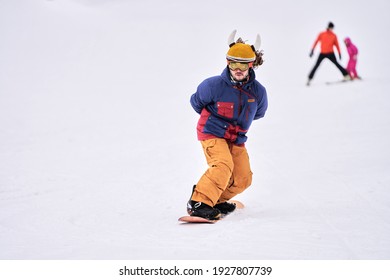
[{"x": 328, "y": 41}]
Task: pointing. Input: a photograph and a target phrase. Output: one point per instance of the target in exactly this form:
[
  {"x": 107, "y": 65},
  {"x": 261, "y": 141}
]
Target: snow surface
[{"x": 98, "y": 150}]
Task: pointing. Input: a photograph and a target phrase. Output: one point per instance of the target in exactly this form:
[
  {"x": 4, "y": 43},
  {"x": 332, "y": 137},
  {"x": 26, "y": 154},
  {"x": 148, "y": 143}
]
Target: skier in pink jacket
[{"x": 353, "y": 52}]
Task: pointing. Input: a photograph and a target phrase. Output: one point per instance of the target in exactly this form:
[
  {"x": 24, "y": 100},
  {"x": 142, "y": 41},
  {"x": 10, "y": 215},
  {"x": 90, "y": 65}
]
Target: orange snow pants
[{"x": 229, "y": 172}]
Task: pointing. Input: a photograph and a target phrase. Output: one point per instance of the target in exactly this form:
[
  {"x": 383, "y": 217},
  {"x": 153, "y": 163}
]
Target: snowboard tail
[{"x": 195, "y": 219}]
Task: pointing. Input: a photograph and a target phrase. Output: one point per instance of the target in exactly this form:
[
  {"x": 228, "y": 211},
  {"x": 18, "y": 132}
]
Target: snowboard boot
[
  {"x": 203, "y": 210},
  {"x": 225, "y": 207},
  {"x": 189, "y": 206}
]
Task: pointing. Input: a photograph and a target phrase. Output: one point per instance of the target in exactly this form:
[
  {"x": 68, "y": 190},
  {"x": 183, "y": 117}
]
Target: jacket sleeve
[
  {"x": 201, "y": 97},
  {"x": 336, "y": 43},
  {"x": 355, "y": 50},
  {"x": 316, "y": 42},
  {"x": 262, "y": 103},
  {"x": 350, "y": 51}
]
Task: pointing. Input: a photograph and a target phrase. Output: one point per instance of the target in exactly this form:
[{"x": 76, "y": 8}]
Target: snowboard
[{"x": 200, "y": 220}]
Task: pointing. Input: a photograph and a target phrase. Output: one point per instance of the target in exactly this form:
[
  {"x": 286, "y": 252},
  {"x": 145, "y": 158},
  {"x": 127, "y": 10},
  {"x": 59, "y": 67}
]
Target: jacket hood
[{"x": 347, "y": 41}]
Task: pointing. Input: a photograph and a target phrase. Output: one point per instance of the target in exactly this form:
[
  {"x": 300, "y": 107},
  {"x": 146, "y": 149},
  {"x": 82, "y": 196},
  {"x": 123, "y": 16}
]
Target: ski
[{"x": 337, "y": 82}]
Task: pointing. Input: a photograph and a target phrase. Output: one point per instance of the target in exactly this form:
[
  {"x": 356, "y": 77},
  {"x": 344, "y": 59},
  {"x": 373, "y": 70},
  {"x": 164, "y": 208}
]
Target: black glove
[{"x": 311, "y": 53}]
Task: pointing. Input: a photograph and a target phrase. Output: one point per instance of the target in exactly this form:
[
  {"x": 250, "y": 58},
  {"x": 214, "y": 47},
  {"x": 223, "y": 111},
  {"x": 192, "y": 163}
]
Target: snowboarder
[
  {"x": 227, "y": 105},
  {"x": 353, "y": 52},
  {"x": 328, "y": 41}
]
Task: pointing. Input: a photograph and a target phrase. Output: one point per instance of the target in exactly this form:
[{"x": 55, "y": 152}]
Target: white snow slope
[{"x": 98, "y": 150}]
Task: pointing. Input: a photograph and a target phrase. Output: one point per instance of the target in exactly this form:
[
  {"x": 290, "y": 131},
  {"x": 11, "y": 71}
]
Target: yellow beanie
[{"x": 241, "y": 52}]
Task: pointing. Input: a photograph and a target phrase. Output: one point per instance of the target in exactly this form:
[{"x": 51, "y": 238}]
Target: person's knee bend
[{"x": 244, "y": 182}]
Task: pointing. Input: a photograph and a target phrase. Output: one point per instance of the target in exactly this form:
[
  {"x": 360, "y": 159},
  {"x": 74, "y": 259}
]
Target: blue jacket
[{"x": 226, "y": 108}]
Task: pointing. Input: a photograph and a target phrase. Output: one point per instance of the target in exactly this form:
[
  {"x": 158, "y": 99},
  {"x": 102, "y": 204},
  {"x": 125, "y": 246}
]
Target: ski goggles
[{"x": 233, "y": 65}]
